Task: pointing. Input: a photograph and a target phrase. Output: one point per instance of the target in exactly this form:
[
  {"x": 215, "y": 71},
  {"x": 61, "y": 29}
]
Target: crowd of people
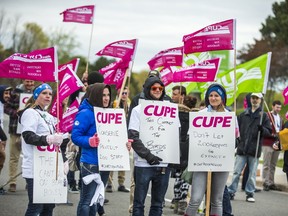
[{"x": 256, "y": 133}]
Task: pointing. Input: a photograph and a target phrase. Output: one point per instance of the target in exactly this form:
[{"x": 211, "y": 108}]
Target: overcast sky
[{"x": 158, "y": 24}]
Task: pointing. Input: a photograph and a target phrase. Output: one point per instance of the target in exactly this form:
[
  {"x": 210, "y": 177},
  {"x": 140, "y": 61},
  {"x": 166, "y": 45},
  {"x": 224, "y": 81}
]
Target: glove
[
  {"x": 260, "y": 128},
  {"x": 55, "y": 139},
  {"x": 154, "y": 160},
  {"x": 94, "y": 141}
]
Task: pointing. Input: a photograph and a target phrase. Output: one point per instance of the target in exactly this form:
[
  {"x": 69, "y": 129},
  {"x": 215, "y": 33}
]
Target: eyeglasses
[
  {"x": 154, "y": 88},
  {"x": 124, "y": 93}
]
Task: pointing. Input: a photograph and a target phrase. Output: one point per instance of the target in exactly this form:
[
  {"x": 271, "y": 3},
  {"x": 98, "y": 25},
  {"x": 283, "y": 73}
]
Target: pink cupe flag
[
  {"x": 114, "y": 73},
  {"x": 124, "y": 49},
  {"x": 166, "y": 58},
  {"x": 166, "y": 75},
  {"x": 68, "y": 85},
  {"x": 83, "y": 14},
  {"x": 218, "y": 36},
  {"x": 62, "y": 68},
  {"x": 285, "y": 95},
  {"x": 202, "y": 72},
  {"x": 40, "y": 65},
  {"x": 66, "y": 123}
]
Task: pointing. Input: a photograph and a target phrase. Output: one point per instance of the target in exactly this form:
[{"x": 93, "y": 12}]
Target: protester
[
  {"x": 285, "y": 164},
  {"x": 5, "y": 92},
  {"x": 250, "y": 126},
  {"x": 180, "y": 186},
  {"x": 134, "y": 103},
  {"x": 215, "y": 100},
  {"x": 178, "y": 94},
  {"x": 38, "y": 129},
  {"x": 124, "y": 104},
  {"x": 11, "y": 108},
  {"x": 270, "y": 155},
  {"x": 151, "y": 169},
  {"x": 84, "y": 134}
]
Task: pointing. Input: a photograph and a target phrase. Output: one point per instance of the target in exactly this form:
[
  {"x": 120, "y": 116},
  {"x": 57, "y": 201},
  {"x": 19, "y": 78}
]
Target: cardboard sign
[
  {"x": 46, "y": 188},
  {"x": 211, "y": 141},
  {"x": 159, "y": 129},
  {"x": 24, "y": 97},
  {"x": 113, "y": 154}
]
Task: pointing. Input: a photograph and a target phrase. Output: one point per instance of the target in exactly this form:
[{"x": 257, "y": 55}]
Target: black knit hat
[{"x": 95, "y": 77}]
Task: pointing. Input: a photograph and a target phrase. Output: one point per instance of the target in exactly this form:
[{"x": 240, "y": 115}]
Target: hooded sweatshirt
[{"x": 84, "y": 124}]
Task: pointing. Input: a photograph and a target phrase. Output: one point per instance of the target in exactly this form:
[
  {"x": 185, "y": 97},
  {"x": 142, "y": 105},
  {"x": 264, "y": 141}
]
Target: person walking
[
  {"x": 250, "y": 126},
  {"x": 11, "y": 108},
  {"x": 215, "y": 101},
  {"x": 270, "y": 155},
  {"x": 38, "y": 129}
]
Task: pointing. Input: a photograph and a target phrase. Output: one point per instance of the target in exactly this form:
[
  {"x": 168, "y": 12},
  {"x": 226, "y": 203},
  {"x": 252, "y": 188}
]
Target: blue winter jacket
[{"x": 85, "y": 127}]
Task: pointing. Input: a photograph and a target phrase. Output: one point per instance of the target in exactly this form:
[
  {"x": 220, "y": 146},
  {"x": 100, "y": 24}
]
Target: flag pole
[
  {"x": 121, "y": 90},
  {"x": 263, "y": 93},
  {"x": 90, "y": 41},
  {"x": 235, "y": 84}
]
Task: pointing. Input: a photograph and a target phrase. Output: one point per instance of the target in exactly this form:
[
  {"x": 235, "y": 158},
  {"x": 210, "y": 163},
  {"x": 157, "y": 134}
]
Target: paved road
[{"x": 267, "y": 203}]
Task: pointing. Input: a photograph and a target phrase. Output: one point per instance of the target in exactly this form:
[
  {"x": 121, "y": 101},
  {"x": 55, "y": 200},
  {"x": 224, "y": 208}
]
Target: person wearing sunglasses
[{"x": 151, "y": 169}]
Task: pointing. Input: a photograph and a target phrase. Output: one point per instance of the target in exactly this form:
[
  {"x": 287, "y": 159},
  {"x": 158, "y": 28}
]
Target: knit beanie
[
  {"x": 95, "y": 77},
  {"x": 217, "y": 88}
]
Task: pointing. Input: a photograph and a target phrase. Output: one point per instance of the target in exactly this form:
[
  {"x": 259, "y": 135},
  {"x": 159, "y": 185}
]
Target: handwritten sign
[
  {"x": 24, "y": 97},
  {"x": 159, "y": 129},
  {"x": 112, "y": 131},
  {"x": 46, "y": 188},
  {"x": 211, "y": 141}
]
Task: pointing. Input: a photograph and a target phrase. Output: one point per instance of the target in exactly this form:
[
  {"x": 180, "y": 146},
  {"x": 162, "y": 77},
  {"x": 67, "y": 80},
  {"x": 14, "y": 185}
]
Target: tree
[
  {"x": 32, "y": 38},
  {"x": 274, "y": 38}
]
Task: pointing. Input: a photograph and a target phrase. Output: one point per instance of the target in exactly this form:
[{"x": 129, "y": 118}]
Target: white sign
[
  {"x": 211, "y": 141},
  {"x": 46, "y": 188},
  {"x": 159, "y": 129},
  {"x": 24, "y": 97},
  {"x": 113, "y": 154}
]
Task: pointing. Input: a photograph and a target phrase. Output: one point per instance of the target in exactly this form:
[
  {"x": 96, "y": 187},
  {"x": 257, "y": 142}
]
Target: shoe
[
  {"x": 106, "y": 201},
  {"x": 172, "y": 204},
  {"x": 109, "y": 189},
  {"x": 232, "y": 195},
  {"x": 2, "y": 191},
  {"x": 176, "y": 206},
  {"x": 12, "y": 188},
  {"x": 257, "y": 190},
  {"x": 123, "y": 189},
  {"x": 73, "y": 190},
  {"x": 274, "y": 187},
  {"x": 266, "y": 187},
  {"x": 182, "y": 205},
  {"x": 103, "y": 214},
  {"x": 250, "y": 198}
]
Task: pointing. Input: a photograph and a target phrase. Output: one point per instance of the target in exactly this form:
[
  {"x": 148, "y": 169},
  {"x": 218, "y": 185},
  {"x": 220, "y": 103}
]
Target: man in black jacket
[{"x": 250, "y": 128}]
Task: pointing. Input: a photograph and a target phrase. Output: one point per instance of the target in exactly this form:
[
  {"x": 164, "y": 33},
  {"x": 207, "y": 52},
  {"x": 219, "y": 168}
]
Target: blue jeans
[
  {"x": 87, "y": 191},
  {"x": 35, "y": 209},
  {"x": 240, "y": 162},
  {"x": 159, "y": 177}
]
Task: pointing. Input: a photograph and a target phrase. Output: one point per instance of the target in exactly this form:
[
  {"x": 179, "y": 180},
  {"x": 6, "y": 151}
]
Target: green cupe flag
[{"x": 251, "y": 76}]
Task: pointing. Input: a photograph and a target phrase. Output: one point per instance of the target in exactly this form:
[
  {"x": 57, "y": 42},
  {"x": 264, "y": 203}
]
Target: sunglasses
[
  {"x": 154, "y": 88},
  {"x": 124, "y": 93}
]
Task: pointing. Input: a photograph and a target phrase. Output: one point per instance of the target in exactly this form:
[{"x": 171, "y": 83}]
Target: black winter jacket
[{"x": 248, "y": 126}]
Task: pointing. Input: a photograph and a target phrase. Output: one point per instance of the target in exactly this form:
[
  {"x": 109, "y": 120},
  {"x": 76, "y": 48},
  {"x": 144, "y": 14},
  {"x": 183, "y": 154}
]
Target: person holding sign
[
  {"x": 215, "y": 100},
  {"x": 84, "y": 135},
  {"x": 149, "y": 167},
  {"x": 38, "y": 134}
]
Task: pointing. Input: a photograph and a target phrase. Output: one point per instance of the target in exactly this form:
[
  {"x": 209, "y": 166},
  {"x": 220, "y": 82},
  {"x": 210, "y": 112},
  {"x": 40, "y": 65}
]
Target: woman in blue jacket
[{"x": 84, "y": 134}]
